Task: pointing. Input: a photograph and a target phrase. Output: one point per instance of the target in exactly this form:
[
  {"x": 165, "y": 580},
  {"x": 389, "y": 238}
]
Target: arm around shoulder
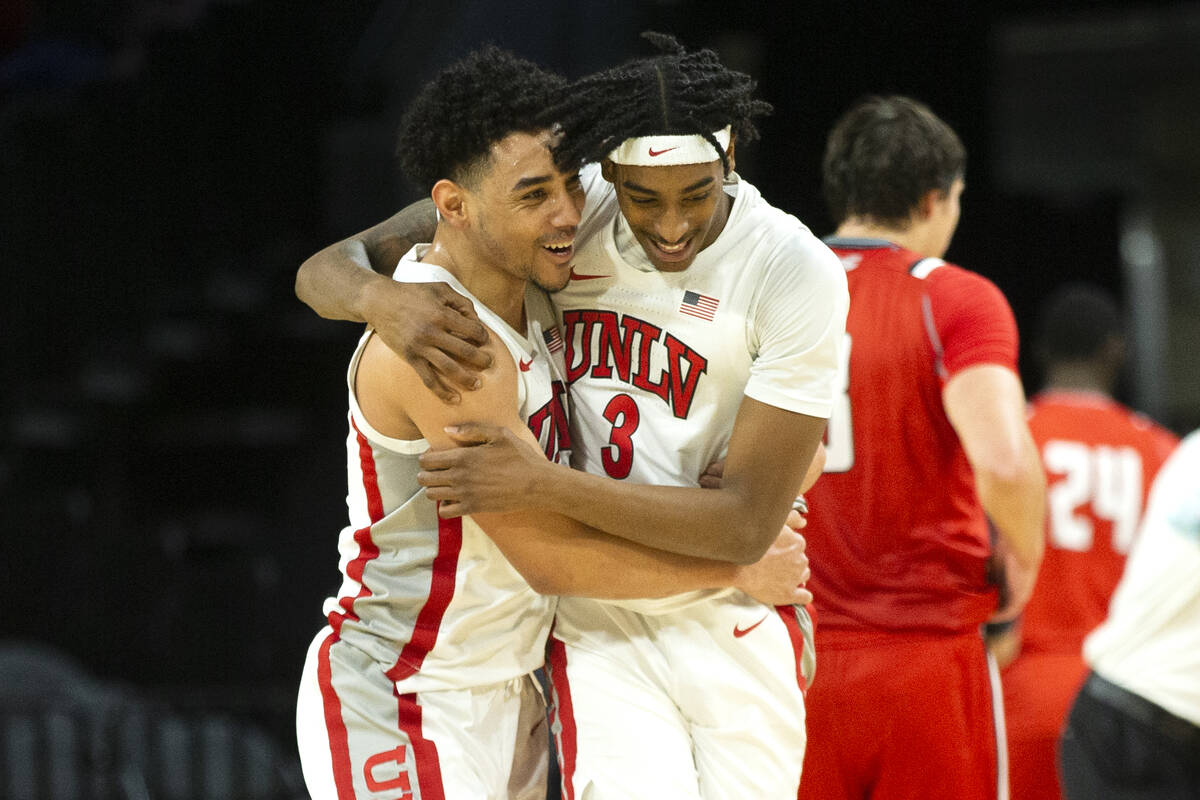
[{"x": 337, "y": 281}]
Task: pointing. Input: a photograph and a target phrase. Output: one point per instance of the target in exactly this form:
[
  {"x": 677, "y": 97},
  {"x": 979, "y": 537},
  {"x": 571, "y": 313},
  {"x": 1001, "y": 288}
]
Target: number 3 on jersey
[
  {"x": 617, "y": 457},
  {"x": 839, "y": 433}
]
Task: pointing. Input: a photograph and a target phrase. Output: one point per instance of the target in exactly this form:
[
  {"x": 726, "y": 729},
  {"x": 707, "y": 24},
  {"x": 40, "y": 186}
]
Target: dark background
[{"x": 172, "y": 466}]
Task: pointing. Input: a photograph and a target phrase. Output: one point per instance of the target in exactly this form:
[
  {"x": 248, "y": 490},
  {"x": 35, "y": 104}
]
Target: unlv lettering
[
  {"x": 599, "y": 342},
  {"x": 555, "y": 438}
]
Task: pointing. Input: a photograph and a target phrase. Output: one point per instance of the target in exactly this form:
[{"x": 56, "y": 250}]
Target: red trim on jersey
[
  {"x": 335, "y": 726},
  {"x": 441, "y": 592},
  {"x": 788, "y": 615},
  {"x": 568, "y": 746},
  {"x": 367, "y": 551},
  {"x": 425, "y": 758}
]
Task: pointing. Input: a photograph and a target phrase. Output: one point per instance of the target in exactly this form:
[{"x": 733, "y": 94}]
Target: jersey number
[
  {"x": 617, "y": 457},
  {"x": 839, "y": 433},
  {"x": 1108, "y": 478}
]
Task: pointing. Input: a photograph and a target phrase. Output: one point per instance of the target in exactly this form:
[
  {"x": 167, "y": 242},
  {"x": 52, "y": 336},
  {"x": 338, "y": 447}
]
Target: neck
[
  {"x": 910, "y": 238},
  {"x": 502, "y": 292},
  {"x": 1078, "y": 377}
]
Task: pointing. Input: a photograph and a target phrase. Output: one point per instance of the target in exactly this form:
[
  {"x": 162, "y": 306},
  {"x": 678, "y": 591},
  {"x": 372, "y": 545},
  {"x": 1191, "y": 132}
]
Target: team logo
[
  {"x": 382, "y": 776},
  {"x": 739, "y": 632}
]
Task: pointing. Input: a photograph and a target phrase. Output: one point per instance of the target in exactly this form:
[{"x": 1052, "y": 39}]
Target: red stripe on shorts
[
  {"x": 367, "y": 550},
  {"x": 788, "y": 615},
  {"x": 335, "y": 726},
  {"x": 564, "y": 714},
  {"x": 441, "y": 592},
  {"x": 424, "y": 752}
]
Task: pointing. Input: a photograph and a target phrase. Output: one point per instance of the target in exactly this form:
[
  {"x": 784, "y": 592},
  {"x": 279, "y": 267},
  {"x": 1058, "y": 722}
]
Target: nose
[
  {"x": 567, "y": 211},
  {"x": 671, "y": 225}
]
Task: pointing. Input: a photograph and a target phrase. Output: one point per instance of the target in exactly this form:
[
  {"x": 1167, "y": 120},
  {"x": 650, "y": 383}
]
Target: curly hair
[
  {"x": 674, "y": 92},
  {"x": 883, "y": 155},
  {"x": 448, "y": 130}
]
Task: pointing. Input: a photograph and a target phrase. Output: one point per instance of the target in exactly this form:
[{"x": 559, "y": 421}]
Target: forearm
[
  {"x": 336, "y": 281},
  {"x": 560, "y": 556},
  {"x": 1015, "y": 501},
  {"x": 815, "y": 468},
  {"x": 986, "y": 406},
  {"x": 723, "y": 524}
]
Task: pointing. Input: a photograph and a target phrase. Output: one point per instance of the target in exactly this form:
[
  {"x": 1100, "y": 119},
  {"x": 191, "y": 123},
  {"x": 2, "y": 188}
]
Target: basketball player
[
  {"x": 928, "y": 441},
  {"x": 1100, "y": 459},
  {"x": 699, "y": 322},
  {"x": 421, "y": 686}
]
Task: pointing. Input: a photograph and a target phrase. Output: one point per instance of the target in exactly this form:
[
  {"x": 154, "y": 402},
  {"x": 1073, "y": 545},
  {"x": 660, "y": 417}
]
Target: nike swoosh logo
[
  {"x": 525, "y": 365},
  {"x": 577, "y": 277},
  {"x": 740, "y": 632},
  {"x": 654, "y": 153}
]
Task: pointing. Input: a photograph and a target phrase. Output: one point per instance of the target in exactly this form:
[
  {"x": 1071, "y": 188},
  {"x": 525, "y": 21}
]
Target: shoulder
[
  {"x": 952, "y": 280},
  {"x": 397, "y": 403},
  {"x": 960, "y": 292},
  {"x": 781, "y": 241}
]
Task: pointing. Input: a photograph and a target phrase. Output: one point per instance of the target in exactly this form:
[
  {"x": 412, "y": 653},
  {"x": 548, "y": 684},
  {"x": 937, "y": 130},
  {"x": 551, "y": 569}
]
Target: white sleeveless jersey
[
  {"x": 435, "y": 598},
  {"x": 658, "y": 362}
]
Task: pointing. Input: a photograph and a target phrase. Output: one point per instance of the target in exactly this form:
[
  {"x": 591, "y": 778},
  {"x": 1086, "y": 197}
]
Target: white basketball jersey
[
  {"x": 658, "y": 362},
  {"x": 436, "y": 598}
]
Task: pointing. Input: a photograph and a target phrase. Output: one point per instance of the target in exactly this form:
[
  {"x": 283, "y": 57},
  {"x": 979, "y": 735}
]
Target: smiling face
[
  {"x": 674, "y": 212},
  {"x": 525, "y": 211}
]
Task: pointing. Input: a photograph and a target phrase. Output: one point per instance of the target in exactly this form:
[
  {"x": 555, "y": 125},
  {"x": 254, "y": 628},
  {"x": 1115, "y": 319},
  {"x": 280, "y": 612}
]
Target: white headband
[{"x": 669, "y": 151}]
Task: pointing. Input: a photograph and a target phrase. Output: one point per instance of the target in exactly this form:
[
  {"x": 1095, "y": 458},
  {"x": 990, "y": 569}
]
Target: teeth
[
  {"x": 558, "y": 248},
  {"x": 674, "y": 248}
]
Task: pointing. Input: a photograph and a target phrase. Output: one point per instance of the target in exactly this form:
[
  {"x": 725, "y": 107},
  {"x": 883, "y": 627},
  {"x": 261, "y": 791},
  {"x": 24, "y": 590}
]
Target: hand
[
  {"x": 1014, "y": 580},
  {"x": 778, "y": 578},
  {"x": 492, "y": 470},
  {"x": 711, "y": 477},
  {"x": 434, "y": 329}
]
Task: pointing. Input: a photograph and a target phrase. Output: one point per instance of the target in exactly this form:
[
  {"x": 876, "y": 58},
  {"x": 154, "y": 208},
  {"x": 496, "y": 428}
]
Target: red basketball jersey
[
  {"x": 1100, "y": 459},
  {"x": 896, "y": 534}
]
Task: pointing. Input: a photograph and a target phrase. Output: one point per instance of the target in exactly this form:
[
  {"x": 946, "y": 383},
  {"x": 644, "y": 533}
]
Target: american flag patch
[
  {"x": 554, "y": 342},
  {"x": 699, "y": 305}
]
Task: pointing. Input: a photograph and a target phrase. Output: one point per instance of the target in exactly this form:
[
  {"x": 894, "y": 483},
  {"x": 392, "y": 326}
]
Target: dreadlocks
[
  {"x": 449, "y": 128},
  {"x": 675, "y": 92}
]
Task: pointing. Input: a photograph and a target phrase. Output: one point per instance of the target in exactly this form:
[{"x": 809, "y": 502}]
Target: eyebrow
[
  {"x": 637, "y": 187},
  {"x": 525, "y": 183}
]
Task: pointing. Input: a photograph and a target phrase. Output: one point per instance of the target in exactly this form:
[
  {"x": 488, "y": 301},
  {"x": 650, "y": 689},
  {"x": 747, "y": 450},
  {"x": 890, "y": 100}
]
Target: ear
[
  {"x": 929, "y": 202},
  {"x": 451, "y": 201},
  {"x": 608, "y": 170},
  {"x": 729, "y": 154}
]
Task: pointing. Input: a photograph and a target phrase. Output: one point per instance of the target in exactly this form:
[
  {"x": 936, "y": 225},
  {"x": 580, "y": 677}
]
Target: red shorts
[
  {"x": 896, "y": 716},
  {"x": 1038, "y": 692}
]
